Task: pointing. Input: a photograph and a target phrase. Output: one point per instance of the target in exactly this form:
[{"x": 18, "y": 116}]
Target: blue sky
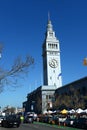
[{"x": 22, "y": 31}]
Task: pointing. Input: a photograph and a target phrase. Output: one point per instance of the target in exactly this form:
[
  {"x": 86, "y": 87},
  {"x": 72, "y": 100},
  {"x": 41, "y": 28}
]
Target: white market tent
[
  {"x": 85, "y": 110},
  {"x": 79, "y": 110},
  {"x": 72, "y": 111},
  {"x": 45, "y": 112}
]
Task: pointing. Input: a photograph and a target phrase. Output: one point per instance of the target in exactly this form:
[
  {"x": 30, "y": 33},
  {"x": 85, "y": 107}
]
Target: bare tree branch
[{"x": 18, "y": 67}]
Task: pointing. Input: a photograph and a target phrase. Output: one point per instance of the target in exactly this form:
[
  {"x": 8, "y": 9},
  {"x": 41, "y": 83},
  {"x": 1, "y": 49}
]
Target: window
[{"x": 51, "y": 34}]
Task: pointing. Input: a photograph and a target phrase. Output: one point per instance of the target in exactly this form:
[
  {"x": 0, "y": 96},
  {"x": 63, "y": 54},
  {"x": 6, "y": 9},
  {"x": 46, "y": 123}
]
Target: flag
[{"x": 59, "y": 75}]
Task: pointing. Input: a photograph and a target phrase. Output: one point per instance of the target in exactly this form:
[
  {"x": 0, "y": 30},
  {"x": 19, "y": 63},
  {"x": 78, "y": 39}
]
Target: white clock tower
[{"x": 51, "y": 59}]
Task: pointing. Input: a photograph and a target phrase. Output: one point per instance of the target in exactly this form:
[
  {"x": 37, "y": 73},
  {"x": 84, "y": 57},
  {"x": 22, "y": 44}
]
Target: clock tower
[{"x": 51, "y": 58}]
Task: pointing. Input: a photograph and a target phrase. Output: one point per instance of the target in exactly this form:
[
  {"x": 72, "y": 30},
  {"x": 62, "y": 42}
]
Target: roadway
[
  {"x": 36, "y": 126},
  {"x": 32, "y": 127}
]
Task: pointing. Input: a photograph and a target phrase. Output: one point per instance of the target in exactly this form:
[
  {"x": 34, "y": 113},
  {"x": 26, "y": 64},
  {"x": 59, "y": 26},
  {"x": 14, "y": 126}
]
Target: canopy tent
[
  {"x": 64, "y": 111},
  {"x": 85, "y": 110},
  {"x": 50, "y": 112},
  {"x": 79, "y": 110},
  {"x": 45, "y": 112},
  {"x": 72, "y": 111}
]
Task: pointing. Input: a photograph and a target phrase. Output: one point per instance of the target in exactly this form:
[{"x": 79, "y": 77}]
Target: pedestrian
[{"x": 22, "y": 118}]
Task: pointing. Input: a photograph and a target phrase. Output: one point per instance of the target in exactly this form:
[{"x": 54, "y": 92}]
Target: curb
[{"x": 62, "y": 127}]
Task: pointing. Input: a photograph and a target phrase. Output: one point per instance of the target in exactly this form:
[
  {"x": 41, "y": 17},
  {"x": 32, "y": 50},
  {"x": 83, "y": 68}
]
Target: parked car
[
  {"x": 69, "y": 122},
  {"x": 54, "y": 120},
  {"x": 80, "y": 123},
  {"x": 46, "y": 118},
  {"x": 28, "y": 119},
  {"x": 10, "y": 121},
  {"x": 1, "y": 118}
]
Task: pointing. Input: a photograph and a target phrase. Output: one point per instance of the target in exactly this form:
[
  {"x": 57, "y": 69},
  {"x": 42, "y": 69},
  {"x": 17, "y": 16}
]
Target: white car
[{"x": 1, "y": 118}]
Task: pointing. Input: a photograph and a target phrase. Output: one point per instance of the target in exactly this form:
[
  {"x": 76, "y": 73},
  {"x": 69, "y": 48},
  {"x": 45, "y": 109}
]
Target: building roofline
[{"x": 72, "y": 82}]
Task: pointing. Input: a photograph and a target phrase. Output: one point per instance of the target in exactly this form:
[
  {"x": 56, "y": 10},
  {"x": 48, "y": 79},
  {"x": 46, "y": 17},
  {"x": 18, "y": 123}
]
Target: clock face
[{"x": 53, "y": 63}]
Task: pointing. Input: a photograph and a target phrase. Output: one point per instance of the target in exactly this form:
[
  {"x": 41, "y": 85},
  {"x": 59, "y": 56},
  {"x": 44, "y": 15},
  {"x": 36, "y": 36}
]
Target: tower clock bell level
[{"x": 51, "y": 58}]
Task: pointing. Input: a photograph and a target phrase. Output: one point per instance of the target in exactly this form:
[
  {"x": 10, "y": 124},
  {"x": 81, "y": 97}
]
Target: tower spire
[
  {"x": 49, "y": 25},
  {"x": 48, "y": 16}
]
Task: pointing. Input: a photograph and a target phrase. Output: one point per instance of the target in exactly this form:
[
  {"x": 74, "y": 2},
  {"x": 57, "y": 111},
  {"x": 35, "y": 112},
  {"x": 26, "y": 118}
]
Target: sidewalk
[{"x": 62, "y": 127}]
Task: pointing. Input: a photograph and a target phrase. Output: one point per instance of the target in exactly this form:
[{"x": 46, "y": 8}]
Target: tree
[
  {"x": 73, "y": 98},
  {"x": 18, "y": 69},
  {"x": 9, "y": 110}
]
